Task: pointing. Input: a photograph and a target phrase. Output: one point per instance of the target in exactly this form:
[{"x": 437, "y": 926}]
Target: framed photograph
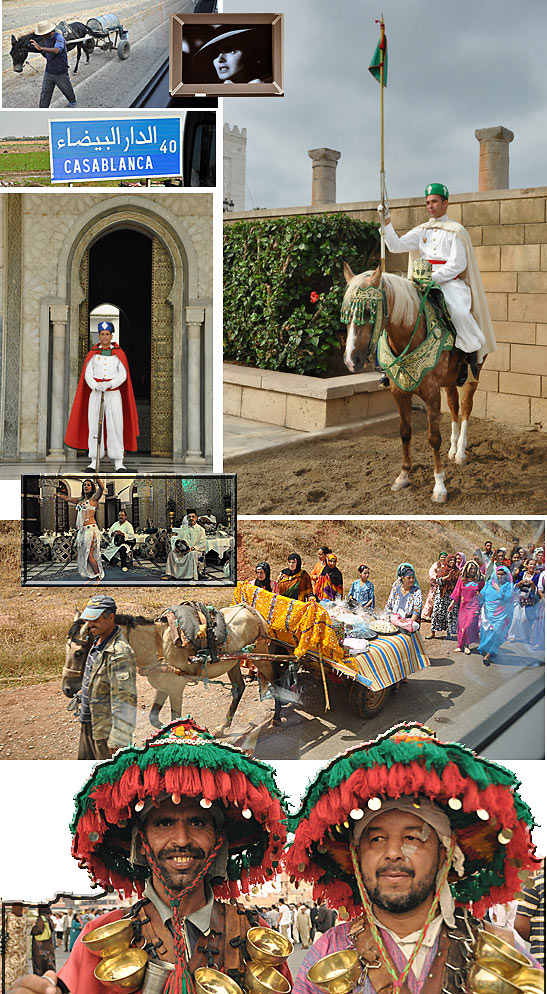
[{"x": 235, "y": 55}]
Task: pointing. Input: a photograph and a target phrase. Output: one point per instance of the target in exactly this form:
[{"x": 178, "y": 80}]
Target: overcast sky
[{"x": 453, "y": 68}]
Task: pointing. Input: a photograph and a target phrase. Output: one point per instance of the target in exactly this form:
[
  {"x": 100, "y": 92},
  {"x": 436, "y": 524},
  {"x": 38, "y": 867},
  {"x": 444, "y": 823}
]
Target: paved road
[
  {"x": 441, "y": 696},
  {"x": 105, "y": 81}
]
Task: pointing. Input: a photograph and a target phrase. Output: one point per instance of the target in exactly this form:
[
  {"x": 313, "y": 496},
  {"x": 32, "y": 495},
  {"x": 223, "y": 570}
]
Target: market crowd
[{"x": 497, "y": 596}]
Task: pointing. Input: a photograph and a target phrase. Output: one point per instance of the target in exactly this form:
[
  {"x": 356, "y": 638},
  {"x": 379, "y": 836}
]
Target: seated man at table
[
  {"x": 188, "y": 546},
  {"x": 121, "y": 539}
]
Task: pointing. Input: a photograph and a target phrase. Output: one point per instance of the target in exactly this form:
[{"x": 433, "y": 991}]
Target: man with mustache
[
  {"x": 403, "y": 835},
  {"x": 181, "y": 821}
]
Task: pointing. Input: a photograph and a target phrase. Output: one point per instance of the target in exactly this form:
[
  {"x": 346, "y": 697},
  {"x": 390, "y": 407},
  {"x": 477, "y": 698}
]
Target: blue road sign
[{"x": 87, "y": 151}]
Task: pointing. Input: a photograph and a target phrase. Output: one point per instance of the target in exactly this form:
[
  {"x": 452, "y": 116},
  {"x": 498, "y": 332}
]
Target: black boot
[
  {"x": 473, "y": 362},
  {"x": 384, "y": 381},
  {"x": 462, "y": 373}
]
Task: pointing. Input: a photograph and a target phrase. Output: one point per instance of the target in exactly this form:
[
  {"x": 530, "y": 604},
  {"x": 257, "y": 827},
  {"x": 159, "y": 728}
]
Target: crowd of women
[{"x": 492, "y": 598}]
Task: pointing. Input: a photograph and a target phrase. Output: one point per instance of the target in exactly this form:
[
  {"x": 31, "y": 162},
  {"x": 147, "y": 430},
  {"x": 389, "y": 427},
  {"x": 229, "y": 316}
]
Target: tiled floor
[{"x": 144, "y": 572}]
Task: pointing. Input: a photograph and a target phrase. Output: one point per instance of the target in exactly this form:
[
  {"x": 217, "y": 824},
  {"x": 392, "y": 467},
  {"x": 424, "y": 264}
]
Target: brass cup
[
  {"x": 123, "y": 974},
  {"x": 482, "y": 980},
  {"x": 208, "y": 981},
  {"x": 265, "y": 945},
  {"x": 261, "y": 978},
  {"x": 530, "y": 980},
  {"x": 498, "y": 955},
  {"x": 111, "y": 939},
  {"x": 337, "y": 973}
]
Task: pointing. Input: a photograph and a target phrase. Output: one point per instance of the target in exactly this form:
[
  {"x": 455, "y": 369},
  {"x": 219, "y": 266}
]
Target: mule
[
  {"x": 166, "y": 666},
  {"x": 402, "y": 303},
  {"x": 21, "y": 47}
]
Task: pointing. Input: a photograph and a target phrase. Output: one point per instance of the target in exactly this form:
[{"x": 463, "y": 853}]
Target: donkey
[
  {"x": 21, "y": 47},
  {"x": 166, "y": 666}
]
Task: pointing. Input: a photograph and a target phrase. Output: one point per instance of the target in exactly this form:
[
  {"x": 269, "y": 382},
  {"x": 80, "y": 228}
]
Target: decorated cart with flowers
[{"x": 306, "y": 631}]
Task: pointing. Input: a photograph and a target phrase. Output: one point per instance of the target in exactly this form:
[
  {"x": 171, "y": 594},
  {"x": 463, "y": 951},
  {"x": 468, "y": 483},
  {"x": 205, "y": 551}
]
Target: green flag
[{"x": 379, "y": 58}]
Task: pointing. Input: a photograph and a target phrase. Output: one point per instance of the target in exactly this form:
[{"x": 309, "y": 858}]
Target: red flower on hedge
[{"x": 314, "y": 297}]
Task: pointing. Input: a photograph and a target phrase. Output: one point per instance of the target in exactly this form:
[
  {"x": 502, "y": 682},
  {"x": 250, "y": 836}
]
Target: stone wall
[
  {"x": 235, "y": 157},
  {"x": 509, "y": 231}
]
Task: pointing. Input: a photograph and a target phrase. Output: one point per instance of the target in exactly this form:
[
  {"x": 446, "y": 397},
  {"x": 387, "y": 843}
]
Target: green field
[{"x": 24, "y": 162}]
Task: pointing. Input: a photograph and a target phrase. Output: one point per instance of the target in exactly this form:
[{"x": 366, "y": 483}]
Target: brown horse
[{"x": 402, "y": 302}]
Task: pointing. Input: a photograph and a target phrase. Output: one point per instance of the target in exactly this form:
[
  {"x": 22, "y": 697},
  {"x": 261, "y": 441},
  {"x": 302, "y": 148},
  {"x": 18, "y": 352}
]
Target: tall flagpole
[{"x": 382, "y": 170}]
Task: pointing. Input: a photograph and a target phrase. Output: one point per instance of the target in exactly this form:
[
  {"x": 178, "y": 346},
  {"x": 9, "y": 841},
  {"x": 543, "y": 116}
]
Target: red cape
[{"x": 77, "y": 432}]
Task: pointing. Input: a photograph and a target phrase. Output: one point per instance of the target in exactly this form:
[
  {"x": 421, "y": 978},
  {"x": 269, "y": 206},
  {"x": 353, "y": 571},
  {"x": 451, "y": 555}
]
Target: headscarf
[
  {"x": 331, "y": 570},
  {"x": 266, "y": 584},
  {"x": 330, "y": 583},
  {"x": 463, "y": 559},
  {"x": 407, "y": 569},
  {"x": 449, "y": 577},
  {"x": 434, "y": 817},
  {"x": 293, "y": 572},
  {"x": 467, "y": 570}
]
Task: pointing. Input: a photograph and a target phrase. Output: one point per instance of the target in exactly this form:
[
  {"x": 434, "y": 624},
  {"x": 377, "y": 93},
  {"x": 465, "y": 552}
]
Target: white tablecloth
[{"x": 219, "y": 545}]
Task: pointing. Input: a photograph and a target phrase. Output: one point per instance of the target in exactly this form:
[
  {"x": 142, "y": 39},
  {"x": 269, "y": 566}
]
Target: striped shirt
[
  {"x": 532, "y": 906},
  {"x": 398, "y": 949}
]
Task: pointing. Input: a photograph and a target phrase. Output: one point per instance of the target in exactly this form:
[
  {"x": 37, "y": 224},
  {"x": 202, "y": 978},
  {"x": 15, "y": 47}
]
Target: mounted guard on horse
[{"x": 428, "y": 332}]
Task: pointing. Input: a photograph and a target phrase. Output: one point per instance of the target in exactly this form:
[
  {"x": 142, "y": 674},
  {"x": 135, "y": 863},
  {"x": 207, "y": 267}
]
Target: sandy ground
[{"x": 505, "y": 474}]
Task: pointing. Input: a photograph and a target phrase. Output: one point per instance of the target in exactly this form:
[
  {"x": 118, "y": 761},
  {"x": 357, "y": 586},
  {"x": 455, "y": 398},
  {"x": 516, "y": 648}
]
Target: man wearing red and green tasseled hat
[
  {"x": 181, "y": 822},
  {"x": 413, "y": 840}
]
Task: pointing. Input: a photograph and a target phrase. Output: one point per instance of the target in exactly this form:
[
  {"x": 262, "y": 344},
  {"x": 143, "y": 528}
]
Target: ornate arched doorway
[{"x": 131, "y": 268}]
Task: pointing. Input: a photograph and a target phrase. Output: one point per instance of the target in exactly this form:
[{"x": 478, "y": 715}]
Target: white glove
[{"x": 384, "y": 210}]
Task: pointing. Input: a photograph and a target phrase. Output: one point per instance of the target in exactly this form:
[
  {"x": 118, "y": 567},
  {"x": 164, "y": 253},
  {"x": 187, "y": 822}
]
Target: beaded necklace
[{"x": 398, "y": 981}]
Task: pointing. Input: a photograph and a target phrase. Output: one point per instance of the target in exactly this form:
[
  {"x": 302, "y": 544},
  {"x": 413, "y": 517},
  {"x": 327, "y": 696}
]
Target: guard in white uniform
[
  {"x": 105, "y": 373},
  {"x": 446, "y": 244}
]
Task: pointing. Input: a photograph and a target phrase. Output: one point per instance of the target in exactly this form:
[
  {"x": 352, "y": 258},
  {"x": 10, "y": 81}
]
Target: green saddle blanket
[{"x": 407, "y": 371}]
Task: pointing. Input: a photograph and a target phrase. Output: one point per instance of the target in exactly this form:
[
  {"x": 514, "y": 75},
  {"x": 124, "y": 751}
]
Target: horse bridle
[
  {"x": 74, "y": 640},
  {"x": 367, "y": 305}
]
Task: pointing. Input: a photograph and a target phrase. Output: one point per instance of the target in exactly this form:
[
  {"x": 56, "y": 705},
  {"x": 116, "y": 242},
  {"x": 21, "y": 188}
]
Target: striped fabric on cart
[{"x": 389, "y": 659}]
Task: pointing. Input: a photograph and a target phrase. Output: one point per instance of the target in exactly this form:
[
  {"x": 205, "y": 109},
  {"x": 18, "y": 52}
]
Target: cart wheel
[
  {"x": 366, "y": 703},
  {"x": 123, "y": 48},
  {"x": 88, "y": 46}
]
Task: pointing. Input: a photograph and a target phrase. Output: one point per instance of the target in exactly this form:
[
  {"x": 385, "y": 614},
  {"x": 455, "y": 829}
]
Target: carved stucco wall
[{"x": 53, "y": 226}]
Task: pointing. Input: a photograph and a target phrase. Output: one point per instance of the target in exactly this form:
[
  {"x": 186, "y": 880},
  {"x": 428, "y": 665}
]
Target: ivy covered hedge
[{"x": 283, "y": 287}]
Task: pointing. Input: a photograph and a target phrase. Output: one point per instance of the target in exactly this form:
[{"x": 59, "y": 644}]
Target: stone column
[
  {"x": 494, "y": 157},
  {"x": 194, "y": 323},
  {"x": 58, "y": 315},
  {"x": 323, "y": 185}
]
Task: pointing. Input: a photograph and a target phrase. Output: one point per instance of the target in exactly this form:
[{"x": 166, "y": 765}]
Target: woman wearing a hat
[{"x": 240, "y": 55}]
